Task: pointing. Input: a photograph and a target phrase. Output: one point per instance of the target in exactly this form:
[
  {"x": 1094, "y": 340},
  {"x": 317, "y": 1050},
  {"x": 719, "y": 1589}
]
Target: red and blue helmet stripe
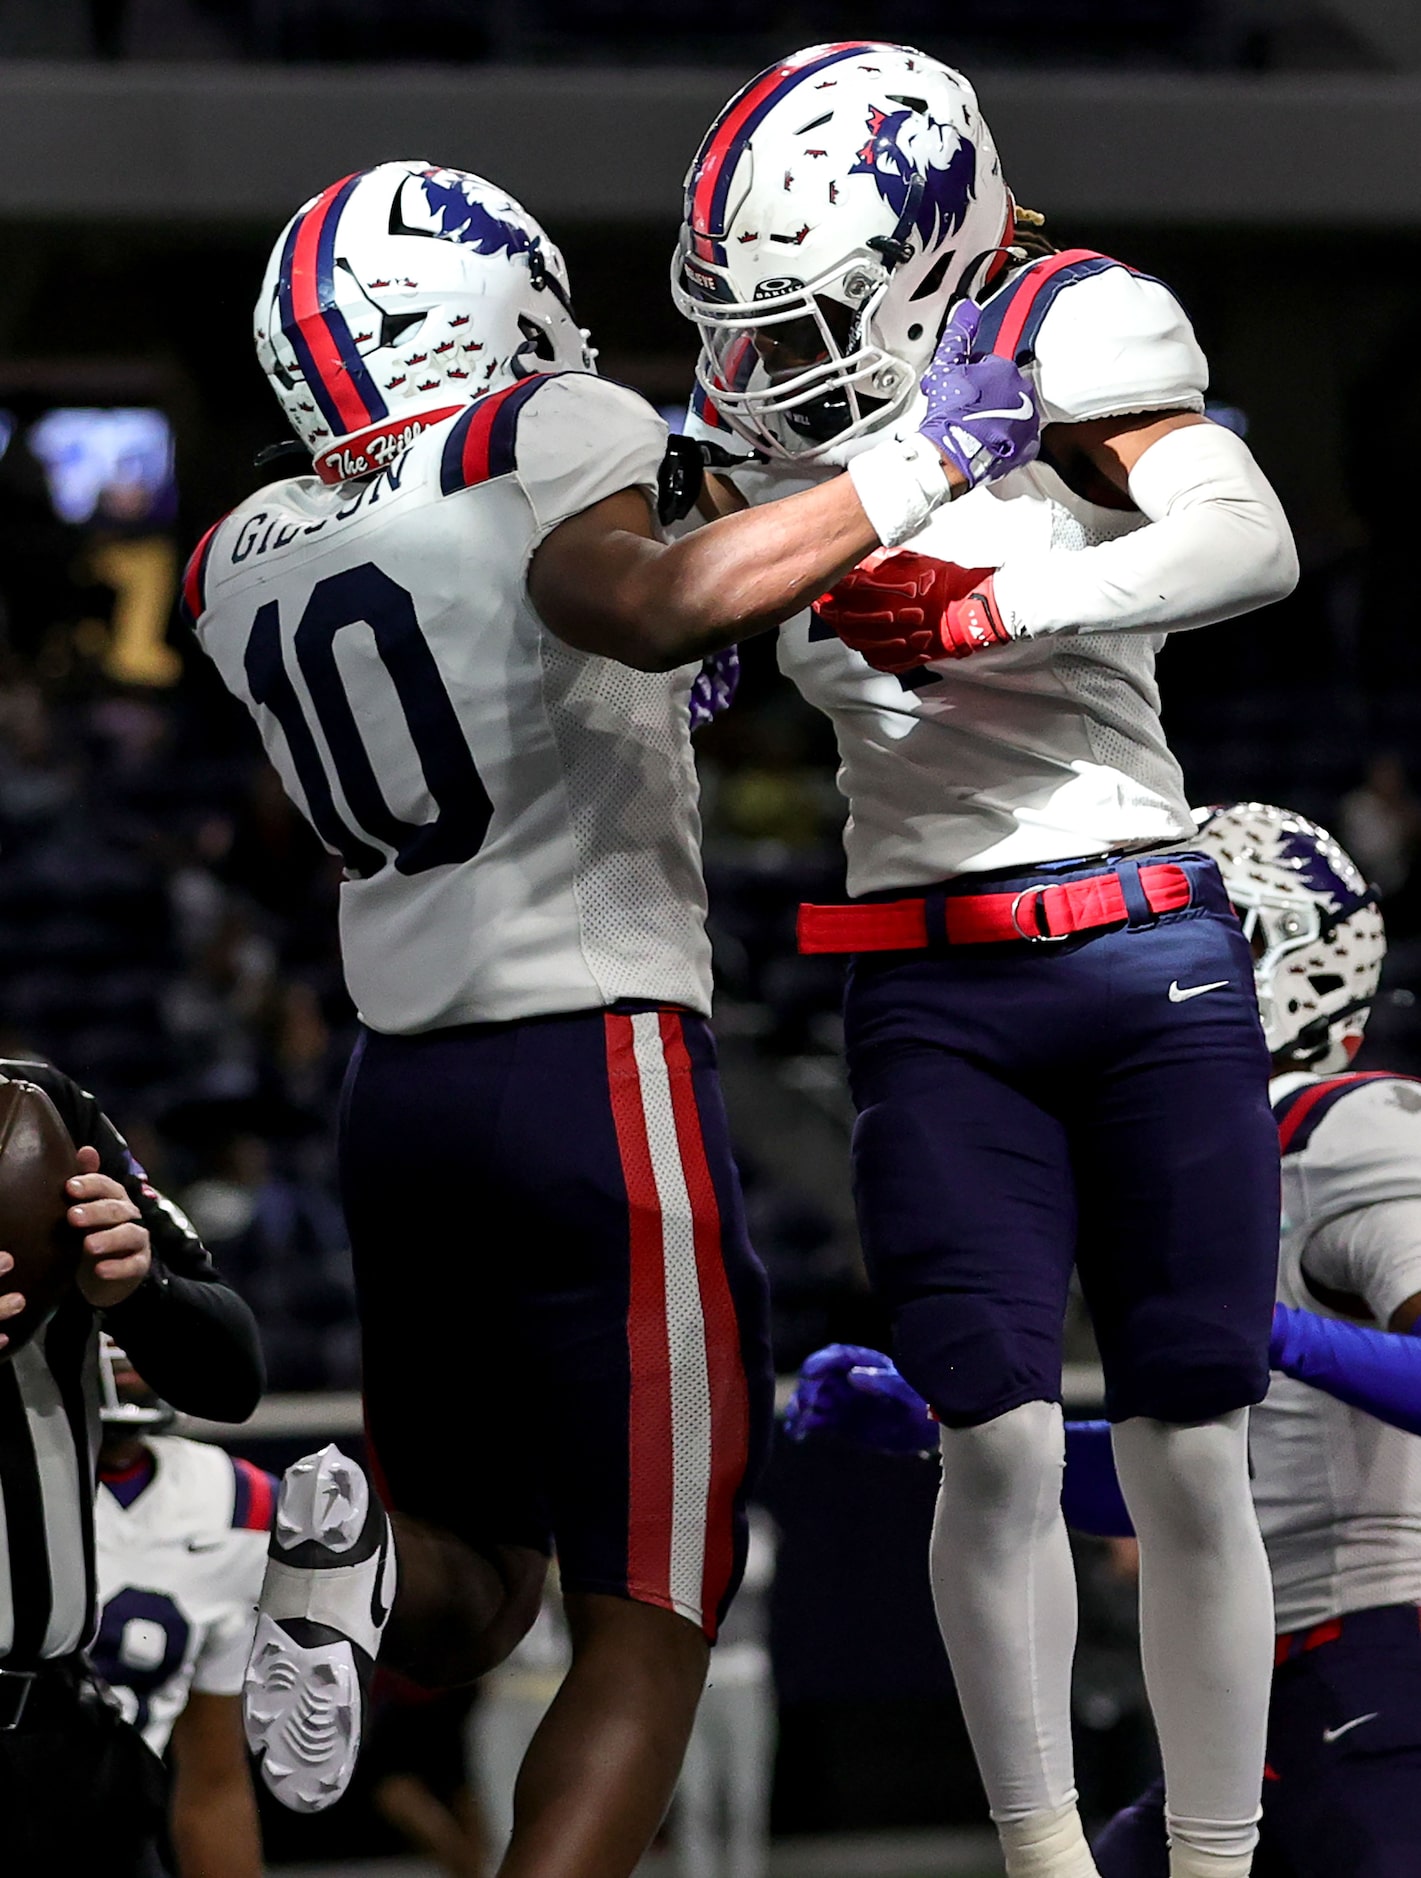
[
  {"x": 708, "y": 186},
  {"x": 313, "y": 323}
]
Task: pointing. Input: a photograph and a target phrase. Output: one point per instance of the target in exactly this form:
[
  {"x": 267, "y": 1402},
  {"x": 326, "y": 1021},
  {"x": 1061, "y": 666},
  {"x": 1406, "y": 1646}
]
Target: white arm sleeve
[
  {"x": 1373, "y": 1253},
  {"x": 1217, "y": 545}
]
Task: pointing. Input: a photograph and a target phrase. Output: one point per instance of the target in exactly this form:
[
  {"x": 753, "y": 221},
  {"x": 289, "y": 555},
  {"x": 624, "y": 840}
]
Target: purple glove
[
  {"x": 981, "y": 413},
  {"x": 845, "y": 1389},
  {"x": 713, "y": 686}
]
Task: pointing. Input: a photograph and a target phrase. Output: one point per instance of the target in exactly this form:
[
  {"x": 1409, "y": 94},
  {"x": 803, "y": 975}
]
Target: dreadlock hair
[{"x": 1029, "y": 239}]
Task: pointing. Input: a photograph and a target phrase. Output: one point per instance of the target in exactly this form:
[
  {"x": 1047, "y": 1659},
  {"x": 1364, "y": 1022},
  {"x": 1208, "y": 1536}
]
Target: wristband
[{"x": 900, "y": 483}]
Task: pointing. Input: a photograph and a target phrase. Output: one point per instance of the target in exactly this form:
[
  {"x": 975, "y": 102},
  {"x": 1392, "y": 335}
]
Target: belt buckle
[
  {"x": 15, "y": 1686},
  {"x": 1035, "y": 938}
]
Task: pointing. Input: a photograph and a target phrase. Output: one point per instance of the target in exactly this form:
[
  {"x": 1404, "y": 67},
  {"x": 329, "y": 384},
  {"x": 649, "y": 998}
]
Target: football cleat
[{"x": 325, "y": 1600}]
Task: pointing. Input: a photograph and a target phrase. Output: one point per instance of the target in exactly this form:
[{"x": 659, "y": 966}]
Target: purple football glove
[
  {"x": 981, "y": 413},
  {"x": 713, "y": 686},
  {"x": 845, "y": 1389}
]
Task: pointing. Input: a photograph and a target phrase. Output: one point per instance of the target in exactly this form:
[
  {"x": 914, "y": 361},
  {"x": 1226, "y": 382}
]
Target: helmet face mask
[
  {"x": 400, "y": 295},
  {"x": 852, "y": 187},
  {"x": 127, "y": 1405},
  {"x": 837, "y": 388},
  {"x": 1312, "y": 925}
]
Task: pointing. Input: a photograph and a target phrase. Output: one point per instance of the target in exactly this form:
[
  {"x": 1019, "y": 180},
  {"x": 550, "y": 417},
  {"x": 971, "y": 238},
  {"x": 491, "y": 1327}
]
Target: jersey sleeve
[
  {"x": 581, "y": 439},
  {"x": 1372, "y": 1253},
  {"x": 1362, "y": 1188},
  {"x": 1113, "y": 343}
]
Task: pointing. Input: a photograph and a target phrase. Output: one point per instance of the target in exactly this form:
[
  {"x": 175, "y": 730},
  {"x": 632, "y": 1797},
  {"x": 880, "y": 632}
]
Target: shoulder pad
[
  {"x": 254, "y": 1496},
  {"x": 1012, "y": 317},
  {"x": 481, "y": 444},
  {"x": 1300, "y": 1111},
  {"x": 1101, "y": 339}
]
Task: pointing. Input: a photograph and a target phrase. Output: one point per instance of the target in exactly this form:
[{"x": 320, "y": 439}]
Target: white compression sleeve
[
  {"x": 1206, "y": 1629},
  {"x": 1005, "y": 1591},
  {"x": 1217, "y": 545}
]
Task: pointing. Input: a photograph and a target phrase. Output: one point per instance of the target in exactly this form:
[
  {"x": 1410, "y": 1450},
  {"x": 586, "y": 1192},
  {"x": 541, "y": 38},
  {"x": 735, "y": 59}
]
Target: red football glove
[{"x": 900, "y": 609}]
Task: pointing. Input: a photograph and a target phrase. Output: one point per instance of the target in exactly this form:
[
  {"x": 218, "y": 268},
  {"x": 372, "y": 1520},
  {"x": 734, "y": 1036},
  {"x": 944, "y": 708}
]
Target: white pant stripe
[{"x": 685, "y": 1326}]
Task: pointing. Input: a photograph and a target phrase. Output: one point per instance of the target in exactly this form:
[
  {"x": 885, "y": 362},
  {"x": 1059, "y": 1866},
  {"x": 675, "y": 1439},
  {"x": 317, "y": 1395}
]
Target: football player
[
  {"x": 1053, "y": 1044},
  {"x": 469, "y": 651},
  {"x": 1336, "y": 1465},
  {"x": 180, "y": 1544}
]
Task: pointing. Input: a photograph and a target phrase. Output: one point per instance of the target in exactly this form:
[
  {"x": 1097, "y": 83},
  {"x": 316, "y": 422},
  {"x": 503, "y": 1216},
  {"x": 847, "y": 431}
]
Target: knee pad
[{"x": 973, "y": 1359}]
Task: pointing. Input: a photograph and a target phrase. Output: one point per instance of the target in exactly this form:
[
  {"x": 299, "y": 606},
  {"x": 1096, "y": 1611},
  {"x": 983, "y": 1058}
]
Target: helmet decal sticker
[
  {"x": 1315, "y": 871},
  {"x": 463, "y": 217},
  {"x": 903, "y": 143}
]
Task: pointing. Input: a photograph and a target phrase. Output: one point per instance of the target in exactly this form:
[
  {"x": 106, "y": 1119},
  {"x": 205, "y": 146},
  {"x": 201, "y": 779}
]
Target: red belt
[
  {"x": 1294, "y": 1642},
  {"x": 1036, "y": 913}
]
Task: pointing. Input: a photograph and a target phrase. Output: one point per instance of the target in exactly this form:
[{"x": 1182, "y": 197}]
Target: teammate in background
[
  {"x": 1052, "y": 1041},
  {"x": 470, "y": 653},
  {"x": 1337, "y": 1467},
  {"x": 181, "y": 1530}
]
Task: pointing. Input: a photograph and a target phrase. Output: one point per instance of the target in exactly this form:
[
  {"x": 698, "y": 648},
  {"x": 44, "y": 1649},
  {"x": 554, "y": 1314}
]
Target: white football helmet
[
  {"x": 399, "y": 295},
  {"x": 838, "y": 207},
  {"x": 1312, "y": 920}
]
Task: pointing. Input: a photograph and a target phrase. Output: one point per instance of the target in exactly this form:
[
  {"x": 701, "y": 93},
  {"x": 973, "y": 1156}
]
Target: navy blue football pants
[
  {"x": 1342, "y": 1792},
  {"x": 1098, "y": 1102},
  {"x": 565, "y": 1331}
]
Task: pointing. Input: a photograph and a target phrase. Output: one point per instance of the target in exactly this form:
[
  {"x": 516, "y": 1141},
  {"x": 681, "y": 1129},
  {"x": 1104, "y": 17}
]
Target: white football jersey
[
  {"x": 518, "y": 820},
  {"x": 1338, "y": 1492},
  {"x": 1048, "y": 748},
  {"x": 179, "y": 1574}
]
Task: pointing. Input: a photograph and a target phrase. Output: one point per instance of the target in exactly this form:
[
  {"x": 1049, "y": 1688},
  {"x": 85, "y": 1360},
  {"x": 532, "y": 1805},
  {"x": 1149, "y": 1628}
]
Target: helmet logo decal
[
  {"x": 1312, "y": 867},
  {"x": 464, "y": 218},
  {"x": 904, "y": 145}
]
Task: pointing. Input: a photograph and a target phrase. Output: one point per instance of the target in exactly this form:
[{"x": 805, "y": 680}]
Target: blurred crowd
[{"x": 1257, "y": 35}]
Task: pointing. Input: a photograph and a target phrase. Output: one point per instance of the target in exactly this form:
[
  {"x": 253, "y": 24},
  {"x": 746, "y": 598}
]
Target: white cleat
[{"x": 330, "y": 1581}]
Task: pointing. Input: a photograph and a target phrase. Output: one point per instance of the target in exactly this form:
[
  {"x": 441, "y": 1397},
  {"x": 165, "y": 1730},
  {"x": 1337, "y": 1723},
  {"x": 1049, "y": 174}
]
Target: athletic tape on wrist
[{"x": 900, "y": 483}]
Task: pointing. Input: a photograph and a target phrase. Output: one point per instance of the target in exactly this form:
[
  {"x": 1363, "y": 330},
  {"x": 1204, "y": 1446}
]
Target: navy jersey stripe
[
  {"x": 1299, "y": 1112},
  {"x": 1042, "y": 295}
]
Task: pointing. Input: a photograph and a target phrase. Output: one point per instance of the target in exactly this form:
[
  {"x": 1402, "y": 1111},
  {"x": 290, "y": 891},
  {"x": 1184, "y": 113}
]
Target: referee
[{"x": 77, "y": 1784}]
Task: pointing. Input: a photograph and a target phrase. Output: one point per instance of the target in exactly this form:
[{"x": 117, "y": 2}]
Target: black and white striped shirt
[{"x": 189, "y": 1336}]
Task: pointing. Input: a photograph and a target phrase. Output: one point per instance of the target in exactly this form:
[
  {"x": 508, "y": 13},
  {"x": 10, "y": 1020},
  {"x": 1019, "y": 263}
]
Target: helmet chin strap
[{"x": 1315, "y": 1037}]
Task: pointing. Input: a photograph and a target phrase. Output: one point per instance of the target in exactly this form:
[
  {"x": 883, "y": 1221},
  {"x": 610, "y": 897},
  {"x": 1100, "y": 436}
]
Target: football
[{"x": 37, "y": 1156}]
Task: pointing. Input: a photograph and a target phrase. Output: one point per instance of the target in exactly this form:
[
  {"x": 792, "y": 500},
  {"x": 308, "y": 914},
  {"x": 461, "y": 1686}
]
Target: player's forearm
[
  {"x": 195, "y": 1341},
  {"x": 737, "y": 576},
  {"x": 1091, "y": 1500},
  {"x": 215, "y": 1829},
  {"x": 1217, "y": 545},
  {"x": 1377, "y": 1371}
]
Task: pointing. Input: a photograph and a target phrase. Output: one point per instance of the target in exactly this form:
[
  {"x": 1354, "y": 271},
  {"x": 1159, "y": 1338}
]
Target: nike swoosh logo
[
  {"x": 379, "y": 1609},
  {"x": 1181, "y": 994},
  {"x": 1024, "y": 409},
  {"x": 1336, "y": 1734},
  {"x": 203, "y": 1545}
]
